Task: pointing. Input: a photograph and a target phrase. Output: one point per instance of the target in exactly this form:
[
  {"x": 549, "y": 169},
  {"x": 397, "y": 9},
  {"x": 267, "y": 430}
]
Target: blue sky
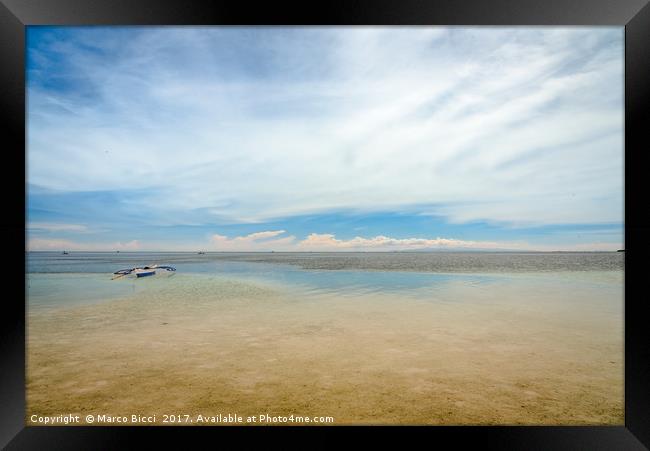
[{"x": 324, "y": 138}]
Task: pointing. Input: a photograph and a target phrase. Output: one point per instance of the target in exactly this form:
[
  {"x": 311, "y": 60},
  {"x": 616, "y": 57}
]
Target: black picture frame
[{"x": 634, "y": 15}]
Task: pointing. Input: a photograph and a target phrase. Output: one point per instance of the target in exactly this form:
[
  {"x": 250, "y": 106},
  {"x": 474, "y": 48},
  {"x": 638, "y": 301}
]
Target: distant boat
[
  {"x": 143, "y": 271},
  {"x": 65, "y": 252},
  {"x": 200, "y": 252},
  {"x": 621, "y": 250}
]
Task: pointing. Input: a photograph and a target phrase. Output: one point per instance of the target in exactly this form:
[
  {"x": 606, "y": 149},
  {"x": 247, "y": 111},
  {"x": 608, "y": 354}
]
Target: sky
[{"x": 324, "y": 138}]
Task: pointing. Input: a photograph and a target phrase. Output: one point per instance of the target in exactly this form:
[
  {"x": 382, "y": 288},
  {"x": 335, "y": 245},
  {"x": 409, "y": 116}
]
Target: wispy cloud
[
  {"x": 58, "y": 244},
  {"x": 209, "y": 125},
  {"x": 56, "y": 227}
]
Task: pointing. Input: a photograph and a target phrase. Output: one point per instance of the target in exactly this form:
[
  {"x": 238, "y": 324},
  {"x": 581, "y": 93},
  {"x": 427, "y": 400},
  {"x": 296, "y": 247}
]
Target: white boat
[{"x": 144, "y": 271}]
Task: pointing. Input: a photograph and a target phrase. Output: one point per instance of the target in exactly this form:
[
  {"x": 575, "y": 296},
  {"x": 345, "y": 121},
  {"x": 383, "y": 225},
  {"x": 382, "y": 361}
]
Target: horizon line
[{"x": 330, "y": 252}]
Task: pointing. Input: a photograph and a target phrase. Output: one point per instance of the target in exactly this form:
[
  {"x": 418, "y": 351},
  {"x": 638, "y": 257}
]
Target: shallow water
[
  {"x": 85, "y": 277},
  {"x": 449, "y": 262},
  {"x": 366, "y": 346}
]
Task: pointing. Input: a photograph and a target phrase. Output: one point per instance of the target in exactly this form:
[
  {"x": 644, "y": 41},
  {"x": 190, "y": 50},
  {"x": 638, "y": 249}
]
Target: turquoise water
[{"x": 54, "y": 279}]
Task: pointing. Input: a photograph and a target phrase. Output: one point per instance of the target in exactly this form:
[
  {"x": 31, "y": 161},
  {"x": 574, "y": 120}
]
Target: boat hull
[{"x": 145, "y": 273}]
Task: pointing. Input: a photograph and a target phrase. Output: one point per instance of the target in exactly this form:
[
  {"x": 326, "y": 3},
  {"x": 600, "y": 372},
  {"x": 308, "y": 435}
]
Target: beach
[{"x": 504, "y": 349}]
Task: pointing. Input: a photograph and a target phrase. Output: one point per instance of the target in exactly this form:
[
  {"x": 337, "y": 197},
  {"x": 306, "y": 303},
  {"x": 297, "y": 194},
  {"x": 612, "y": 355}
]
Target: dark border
[{"x": 633, "y": 14}]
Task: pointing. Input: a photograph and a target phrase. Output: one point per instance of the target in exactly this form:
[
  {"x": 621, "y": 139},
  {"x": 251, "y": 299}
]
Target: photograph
[{"x": 324, "y": 225}]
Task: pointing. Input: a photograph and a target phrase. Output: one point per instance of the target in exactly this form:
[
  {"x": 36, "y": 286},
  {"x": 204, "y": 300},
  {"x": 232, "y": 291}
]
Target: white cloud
[
  {"x": 262, "y": 235},
  {"x": 59, "y": 244},
  {"x": 329, "y": 242},
  {"x": 324, "y": 242},
  {"x": 498, "y": 124},
  {"x": 56, "y": 227},
  {"x": 251, "y": 242}
]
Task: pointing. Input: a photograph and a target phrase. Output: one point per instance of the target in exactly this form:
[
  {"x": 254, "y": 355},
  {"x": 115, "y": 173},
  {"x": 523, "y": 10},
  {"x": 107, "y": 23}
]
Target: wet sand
[{"x": 509, "y": 353}]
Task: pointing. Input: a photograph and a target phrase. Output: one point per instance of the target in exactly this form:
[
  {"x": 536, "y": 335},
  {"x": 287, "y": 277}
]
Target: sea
[
  {"x": 55, "y": 279},
  {"x": 366, "y": 338}
]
